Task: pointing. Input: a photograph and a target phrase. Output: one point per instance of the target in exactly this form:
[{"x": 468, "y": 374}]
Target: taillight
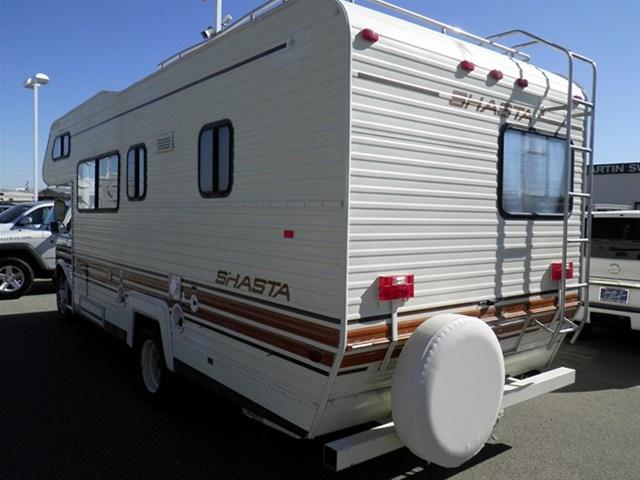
[
  {"x": 395, "y": 287},
  {"x": 556, "y": 271}
]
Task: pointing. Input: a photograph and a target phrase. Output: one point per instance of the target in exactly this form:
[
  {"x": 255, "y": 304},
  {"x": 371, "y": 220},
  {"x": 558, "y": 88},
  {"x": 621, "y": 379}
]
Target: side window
[
  {"x": 532, "y": 174},
  {"x": 61, "y": 146},
  {"x": 99, "y": 183},
  {"x": 215, "y": 159},
  {"x": 137, "y": 172}
]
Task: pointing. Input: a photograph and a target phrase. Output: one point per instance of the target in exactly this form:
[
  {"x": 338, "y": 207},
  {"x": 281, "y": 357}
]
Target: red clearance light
[
  {"x": 289, "y": 234},
  {"x": 369, "y": 35},
  {"x": 395, "y": 287},
  {"x": 556, "y": 271},
  {"x": 497, "y": 75},
  {"x": 522, "y": 82},
  {"x": 467, "y": 66}
]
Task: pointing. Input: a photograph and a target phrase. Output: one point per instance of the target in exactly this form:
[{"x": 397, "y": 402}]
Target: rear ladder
[{"x": 564, "y": 324}]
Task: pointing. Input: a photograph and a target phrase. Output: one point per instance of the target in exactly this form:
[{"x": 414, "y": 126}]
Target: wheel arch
[{"x": 154, "y": 313}]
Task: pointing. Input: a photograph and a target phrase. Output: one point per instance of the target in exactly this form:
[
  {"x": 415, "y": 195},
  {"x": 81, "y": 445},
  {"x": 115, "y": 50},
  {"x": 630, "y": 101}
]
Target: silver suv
[{"x": 27, "y": 250}]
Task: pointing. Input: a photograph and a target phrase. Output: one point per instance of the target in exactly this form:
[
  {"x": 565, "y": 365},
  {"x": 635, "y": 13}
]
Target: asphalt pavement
[{"x": 70, "y": 408}]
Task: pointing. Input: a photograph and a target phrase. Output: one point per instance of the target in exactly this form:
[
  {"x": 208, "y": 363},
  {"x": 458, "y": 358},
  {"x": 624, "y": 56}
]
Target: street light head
[
  {"x": 42, "y": 78},
  {"x": 37, "y": 79}
]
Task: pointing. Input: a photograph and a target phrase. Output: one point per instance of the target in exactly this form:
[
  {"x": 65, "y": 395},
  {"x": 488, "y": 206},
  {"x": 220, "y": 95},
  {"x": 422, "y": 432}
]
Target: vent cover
[{"x": 165, "y": 142}]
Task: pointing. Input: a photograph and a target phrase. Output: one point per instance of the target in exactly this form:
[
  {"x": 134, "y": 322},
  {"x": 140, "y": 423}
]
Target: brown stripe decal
[
  {"x": 312, "y": 331},
  {"x": 284, "y": 343}
]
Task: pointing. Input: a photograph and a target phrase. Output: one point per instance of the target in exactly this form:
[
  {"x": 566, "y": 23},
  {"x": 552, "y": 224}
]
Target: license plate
[{"x": 614, "y": 295}]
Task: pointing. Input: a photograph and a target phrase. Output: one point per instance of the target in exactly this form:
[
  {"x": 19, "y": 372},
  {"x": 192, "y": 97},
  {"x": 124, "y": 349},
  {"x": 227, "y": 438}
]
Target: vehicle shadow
[
  {"x": 42, "y": 287},
  {"x": 609, "y": 358}
]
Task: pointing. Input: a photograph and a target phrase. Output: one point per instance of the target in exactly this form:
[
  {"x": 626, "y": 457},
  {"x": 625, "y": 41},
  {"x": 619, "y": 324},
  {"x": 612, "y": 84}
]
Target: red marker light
[
  {"x": 395, "y": 287},
  {"x": 497, "y": 75},
  {"x": 467, "y": 66},
  {"x": 288, "y": 234},
  {"x": 522, "y": 82},
  {"x": 369, "y": 35},
  {"x": 556, "y": 271}
]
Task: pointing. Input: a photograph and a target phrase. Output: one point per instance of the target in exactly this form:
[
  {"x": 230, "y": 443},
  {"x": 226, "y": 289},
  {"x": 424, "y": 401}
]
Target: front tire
[
  {"x": 63, "y": 297},
  {"x": 16, "y": 278},
  {"x": 155, "y": 377}
]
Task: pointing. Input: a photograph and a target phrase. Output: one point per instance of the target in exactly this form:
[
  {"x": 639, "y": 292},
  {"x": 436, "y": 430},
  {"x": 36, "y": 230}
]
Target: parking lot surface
[{"x": 70, "y": 408}]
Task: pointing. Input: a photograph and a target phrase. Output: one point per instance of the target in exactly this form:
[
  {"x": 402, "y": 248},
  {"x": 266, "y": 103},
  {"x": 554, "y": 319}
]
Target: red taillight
[
  {"x": 288, "y": 234},
  {"x": 369, "y": 35},
  {"x": 395, "y": 287},
  {"x": 522, "y": 82},
  {"x": 556, "y": 271},
  {"x": 497, "y": 75},
  {"x": 467, "y": 66}
]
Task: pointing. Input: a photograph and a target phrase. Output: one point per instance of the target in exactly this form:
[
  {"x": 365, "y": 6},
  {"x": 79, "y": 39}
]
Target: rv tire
[
  {"x": 16, "y": 278},
  {"x": 63, "y": 297},
  {"x": 154, "y": 375}
]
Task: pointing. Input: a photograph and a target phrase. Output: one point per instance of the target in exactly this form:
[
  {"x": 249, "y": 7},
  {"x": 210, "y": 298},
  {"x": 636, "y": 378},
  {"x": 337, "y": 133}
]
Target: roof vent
[{"x": 165, "y": 142}]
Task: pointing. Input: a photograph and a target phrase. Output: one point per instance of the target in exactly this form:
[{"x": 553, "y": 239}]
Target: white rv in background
[{"x": 337, "y": 216}]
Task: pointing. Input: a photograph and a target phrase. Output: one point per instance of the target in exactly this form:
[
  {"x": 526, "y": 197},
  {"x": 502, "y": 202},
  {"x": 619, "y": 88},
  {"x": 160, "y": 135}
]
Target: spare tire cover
[{"x": 447, "y": 389}]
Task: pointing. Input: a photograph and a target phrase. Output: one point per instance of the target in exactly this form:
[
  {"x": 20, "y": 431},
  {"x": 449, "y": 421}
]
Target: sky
[{"x": 90, "y": 45}]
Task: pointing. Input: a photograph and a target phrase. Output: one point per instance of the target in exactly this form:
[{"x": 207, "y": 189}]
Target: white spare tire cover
[{"x": 447, "y": 389}]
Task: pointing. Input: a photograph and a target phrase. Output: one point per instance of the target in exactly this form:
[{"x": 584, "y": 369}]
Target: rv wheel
[
  {"x": 154, "y": 375},
  {"x": 63, "y": 297},
  {"x": 16, "y": 277}
]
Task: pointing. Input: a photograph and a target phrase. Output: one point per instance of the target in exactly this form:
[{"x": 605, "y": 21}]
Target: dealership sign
[{"x": 613, "y": 168}]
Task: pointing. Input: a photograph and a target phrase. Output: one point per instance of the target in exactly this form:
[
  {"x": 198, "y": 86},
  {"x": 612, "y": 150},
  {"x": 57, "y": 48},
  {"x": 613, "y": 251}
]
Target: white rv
[
  {"x": 337, "y": 216},
  {"x": 615, "y": 267}
]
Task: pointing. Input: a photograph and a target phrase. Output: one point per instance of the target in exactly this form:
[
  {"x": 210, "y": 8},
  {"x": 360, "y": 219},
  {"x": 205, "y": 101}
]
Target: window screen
[
  {"x": 98, "y": 183},
  {"x": 137, "y": 172},
  {"x": 533, "y": 174},
  {"x": 215, "y": 159}
]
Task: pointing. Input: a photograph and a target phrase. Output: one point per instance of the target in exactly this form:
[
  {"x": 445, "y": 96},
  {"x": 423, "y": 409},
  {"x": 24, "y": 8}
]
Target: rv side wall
[{"x": 262, "y": 271}]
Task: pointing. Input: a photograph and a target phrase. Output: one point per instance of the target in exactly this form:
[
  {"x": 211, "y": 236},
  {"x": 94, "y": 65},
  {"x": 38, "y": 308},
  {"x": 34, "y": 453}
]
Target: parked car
[
  {"x": 31, "y": 214},
  {"x": 27, "y": 252}
]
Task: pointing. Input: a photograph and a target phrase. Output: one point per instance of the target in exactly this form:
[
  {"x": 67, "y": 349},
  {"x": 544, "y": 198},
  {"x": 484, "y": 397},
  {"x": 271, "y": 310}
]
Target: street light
[{"x": 34, "y": 83}]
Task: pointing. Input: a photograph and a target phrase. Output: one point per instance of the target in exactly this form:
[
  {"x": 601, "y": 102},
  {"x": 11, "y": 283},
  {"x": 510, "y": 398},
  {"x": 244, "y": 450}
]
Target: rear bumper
[{"x": 617, "y": 311}]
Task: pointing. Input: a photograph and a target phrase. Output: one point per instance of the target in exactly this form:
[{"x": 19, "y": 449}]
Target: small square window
[
  {"x": 532, "y": 174},
  {"x": 61, "y": 146}
]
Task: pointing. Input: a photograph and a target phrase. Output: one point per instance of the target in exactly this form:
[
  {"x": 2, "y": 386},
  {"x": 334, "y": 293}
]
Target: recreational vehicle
[
  {"x": 615, "y": 267},
  {"x": 338, "y": 215}
]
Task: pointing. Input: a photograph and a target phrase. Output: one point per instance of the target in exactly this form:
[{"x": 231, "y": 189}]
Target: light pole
[{"x": 34, "y": 83}]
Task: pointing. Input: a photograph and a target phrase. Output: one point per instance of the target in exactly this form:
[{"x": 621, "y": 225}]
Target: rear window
[
  {"x": 616, "y": 238},
  {"x": 532, "y": 174}
]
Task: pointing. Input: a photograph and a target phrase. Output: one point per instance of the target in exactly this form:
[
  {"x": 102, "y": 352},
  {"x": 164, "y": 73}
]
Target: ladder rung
[
  {"x": 578, "y": 240},
  {"x": 578, "y": 285},
  {"x": 554, "y": 109},
  {"x": 581, "y": 149},
  {"x": 580, "y": 194},
  {"x": 579, "y": 101},
  {"x": 586, "y": 113}
]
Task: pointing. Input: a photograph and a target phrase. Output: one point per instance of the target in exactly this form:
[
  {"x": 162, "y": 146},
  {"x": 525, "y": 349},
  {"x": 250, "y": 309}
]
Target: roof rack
[
  {"x": 447, "y": 29},
  {"x": 271, "y": 4},
  {"x": 252, "y": 15}
]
